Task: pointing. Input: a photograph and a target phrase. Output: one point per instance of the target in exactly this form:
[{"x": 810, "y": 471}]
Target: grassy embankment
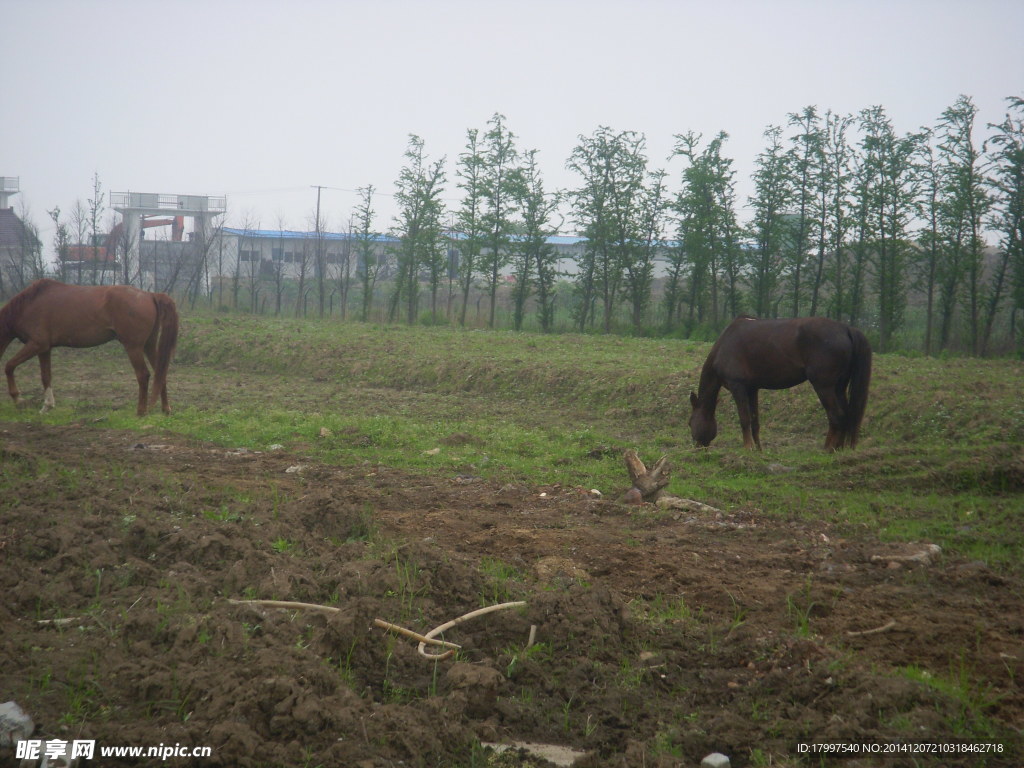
[{"x": 941, "y": 457}]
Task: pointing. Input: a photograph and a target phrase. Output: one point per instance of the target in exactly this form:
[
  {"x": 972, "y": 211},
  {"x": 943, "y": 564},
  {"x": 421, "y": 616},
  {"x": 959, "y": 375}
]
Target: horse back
[
  {"x": 62, "y": 315},
  {"x": 778, "y": 354}
]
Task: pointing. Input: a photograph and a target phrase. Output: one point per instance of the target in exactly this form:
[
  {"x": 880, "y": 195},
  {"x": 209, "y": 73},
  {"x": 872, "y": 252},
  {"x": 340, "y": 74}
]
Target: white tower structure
[
  {"x": 8, "y": 187},
  {"x": 135, "y": 206}
]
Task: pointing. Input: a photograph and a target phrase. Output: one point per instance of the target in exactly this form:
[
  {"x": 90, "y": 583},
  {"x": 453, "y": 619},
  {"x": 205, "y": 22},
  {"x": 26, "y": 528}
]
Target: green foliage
[
  {"x": 500, "y": 183},
  {"x": 419, "y": 188},
  {"x": 610, "y": 209},
  {"x": 501, "y": 580},
  {"x": 709, "y": 252}
]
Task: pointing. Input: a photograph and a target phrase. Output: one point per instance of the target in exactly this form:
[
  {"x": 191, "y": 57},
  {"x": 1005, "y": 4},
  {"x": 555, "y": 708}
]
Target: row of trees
[
  {"x": 848, "y": 218},
  {"x": 500, "y": 228}
]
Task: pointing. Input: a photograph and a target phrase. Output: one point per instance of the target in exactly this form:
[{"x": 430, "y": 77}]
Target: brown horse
[
  {"x": 753, "y": 354},
  {"x": 49, "y": 314}
]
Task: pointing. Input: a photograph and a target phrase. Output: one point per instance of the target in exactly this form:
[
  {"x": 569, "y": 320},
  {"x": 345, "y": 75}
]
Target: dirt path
[{"x": 660, "y": 636}]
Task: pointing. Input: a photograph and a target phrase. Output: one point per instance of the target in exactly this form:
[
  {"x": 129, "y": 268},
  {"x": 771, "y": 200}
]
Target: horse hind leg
[
  {"x": 151, "y": 356},
  {"x": 47, "y": 377},
  {"x": 138, "y": 360},
  {"x": 845, "y": 438},
  {"x": 755, "y": 418},
  {"x": 836, "y": 436},
  {"x": 746, "y": 407}
]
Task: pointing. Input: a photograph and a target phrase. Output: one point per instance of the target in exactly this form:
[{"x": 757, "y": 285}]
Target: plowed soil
[{"x": 660, "y": 636}]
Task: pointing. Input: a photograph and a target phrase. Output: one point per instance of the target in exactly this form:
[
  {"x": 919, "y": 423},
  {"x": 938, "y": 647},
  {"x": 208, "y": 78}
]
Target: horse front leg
[{"x": 31, "y": 349}]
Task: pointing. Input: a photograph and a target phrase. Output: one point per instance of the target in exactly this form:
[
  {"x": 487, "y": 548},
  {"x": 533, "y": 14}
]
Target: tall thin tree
[
  {"x": 417, "y": 223},
  {"x": 965, "y": 203},
  {"x": 469, "y": 221},
  {"x": 1006, "y": 178},
  {"x": 770, "y": 204},
  {"x": 499, "y": 190}
]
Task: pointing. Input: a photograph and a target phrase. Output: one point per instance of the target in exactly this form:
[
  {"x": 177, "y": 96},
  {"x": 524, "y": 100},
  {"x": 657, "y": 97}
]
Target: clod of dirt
[
  {"x": 633, "y": 497},
  {"x": 459, "y": 439},
  {"x": 559, "y": 571},
  {"x": 473, "y": 689}
]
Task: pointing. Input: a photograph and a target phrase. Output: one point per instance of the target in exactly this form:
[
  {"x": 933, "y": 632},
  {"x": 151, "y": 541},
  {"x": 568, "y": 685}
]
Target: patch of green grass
[
  {"x": 83, "y": 698},
  {"x": 540, "y": 653},
  {"x": 938, "y": 459},
  {"x": 666, "y": 742},
  {"x": 364, "y": 527},
  {"x": 665, "y": 609},
  {"x": 799, "y": 607},
  {"x": 283, "y": 546},
  {"x": 502, "y": 581},
  {"x": 344, "y": 666},
  {"x": 972, "y": 699},
  {"x": 222, "y": 514}
]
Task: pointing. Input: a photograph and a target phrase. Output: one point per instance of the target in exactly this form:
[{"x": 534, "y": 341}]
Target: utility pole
[{"x": 319, "y": 252}]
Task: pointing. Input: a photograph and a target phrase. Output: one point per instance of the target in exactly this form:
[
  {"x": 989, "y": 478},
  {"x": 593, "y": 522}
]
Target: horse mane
[{"x": 11, "y": 311}]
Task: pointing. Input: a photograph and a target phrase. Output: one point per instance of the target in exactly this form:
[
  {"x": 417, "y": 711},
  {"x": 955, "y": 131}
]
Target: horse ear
[{"x": 693, "y": 400}]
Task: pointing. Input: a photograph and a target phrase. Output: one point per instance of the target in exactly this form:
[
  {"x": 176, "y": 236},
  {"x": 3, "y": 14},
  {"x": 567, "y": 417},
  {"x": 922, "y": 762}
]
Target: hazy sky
[{"x": 260, "y": 100}]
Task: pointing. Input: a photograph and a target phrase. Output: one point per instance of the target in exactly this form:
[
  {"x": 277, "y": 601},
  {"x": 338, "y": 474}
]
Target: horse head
[{"x": 703, "y": 426}]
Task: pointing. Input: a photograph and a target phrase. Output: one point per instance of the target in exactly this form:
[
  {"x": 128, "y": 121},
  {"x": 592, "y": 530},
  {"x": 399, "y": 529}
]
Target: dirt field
[{"x": 660, "y": 636}]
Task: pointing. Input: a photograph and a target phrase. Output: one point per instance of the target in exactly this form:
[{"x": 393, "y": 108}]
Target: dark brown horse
[
  {"x": 753, "y": 354},
  {"x": 49, "y": 314}
]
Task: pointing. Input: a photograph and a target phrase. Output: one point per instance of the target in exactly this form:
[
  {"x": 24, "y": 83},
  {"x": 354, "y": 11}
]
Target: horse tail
[
  {"x": 167, "y": 325},
  {"x": 860, "y": 379}
]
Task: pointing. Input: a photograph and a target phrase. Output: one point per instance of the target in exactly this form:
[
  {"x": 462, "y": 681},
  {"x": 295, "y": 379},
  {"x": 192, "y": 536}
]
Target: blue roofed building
[{"x": 290, "y": 254}]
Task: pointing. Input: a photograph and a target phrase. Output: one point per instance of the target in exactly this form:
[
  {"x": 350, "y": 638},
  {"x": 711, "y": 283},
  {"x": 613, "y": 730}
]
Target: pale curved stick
[
  {"x": 415, "y": 635},
  {"x": 454, "y": 622},
  {"x": 331, "y": 609},
  {"x": 875, "y": 631},
  {"x": 288, "y": 604}
]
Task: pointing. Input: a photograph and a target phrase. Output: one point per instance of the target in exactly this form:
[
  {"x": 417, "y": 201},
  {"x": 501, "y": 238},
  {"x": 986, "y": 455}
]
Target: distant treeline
[{"x": 917, "y": 238}]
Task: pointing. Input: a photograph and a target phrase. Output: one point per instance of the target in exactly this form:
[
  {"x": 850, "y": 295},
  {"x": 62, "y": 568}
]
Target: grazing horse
[
  {"x": 753, "y": 354},
  {"x": 49, "y": 314}
]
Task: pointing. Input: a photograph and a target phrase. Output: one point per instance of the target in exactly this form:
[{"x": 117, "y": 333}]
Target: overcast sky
[{"x": 261, "y": 100}]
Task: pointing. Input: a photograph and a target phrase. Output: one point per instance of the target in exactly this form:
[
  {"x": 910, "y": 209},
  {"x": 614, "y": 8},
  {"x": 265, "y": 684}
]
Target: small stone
[
  {"x": 715, "y": 760},
  {"x": 15, "y": 724}
]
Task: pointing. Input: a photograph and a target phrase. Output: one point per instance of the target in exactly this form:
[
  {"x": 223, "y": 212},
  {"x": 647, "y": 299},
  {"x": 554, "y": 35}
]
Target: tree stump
[{"x": 649, "y": 482}]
